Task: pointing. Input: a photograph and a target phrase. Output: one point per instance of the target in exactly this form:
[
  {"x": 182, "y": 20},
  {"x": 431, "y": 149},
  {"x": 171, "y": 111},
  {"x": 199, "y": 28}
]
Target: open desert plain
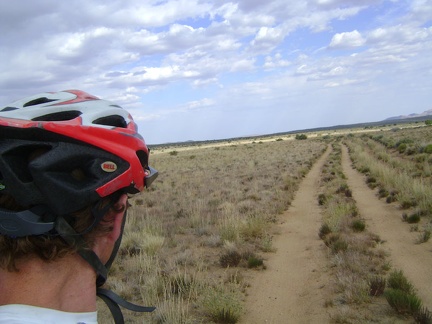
[{"x": 309, "y": 228}]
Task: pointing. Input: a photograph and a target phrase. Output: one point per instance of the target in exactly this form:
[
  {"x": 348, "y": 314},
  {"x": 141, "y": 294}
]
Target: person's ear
[{"x": 117, "y": 214}]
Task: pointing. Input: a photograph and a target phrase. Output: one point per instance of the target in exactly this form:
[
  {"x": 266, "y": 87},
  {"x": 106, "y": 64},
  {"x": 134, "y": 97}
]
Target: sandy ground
[
  {"x": 293, "y": 288},
  {"x": 415, "y": 260}
]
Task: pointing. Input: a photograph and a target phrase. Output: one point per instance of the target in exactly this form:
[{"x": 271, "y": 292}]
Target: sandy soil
[
  {"x": 415, "y": 260},
  {"x": 293, "y": 289}
]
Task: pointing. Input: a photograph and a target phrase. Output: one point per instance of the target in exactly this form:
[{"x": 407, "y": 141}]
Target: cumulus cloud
[
  {"x": 162, "y": 58},
  {"x": 347, "y": 40}
]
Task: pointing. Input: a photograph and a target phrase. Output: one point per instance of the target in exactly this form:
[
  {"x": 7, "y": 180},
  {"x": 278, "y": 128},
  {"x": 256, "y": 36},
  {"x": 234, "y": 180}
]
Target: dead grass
[
  {"x": 358, "y": 263},
  {"x": 212, "y": 210}
]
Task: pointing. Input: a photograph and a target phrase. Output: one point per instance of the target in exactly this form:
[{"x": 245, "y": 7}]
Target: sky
[{"x": 206, "y": 70}]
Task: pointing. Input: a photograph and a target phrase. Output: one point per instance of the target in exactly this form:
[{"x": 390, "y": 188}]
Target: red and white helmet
[{"x": 68, "y": 149}]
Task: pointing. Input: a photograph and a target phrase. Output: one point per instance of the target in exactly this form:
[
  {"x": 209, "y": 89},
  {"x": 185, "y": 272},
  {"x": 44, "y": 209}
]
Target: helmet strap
[{"x": 112, "y": 300}]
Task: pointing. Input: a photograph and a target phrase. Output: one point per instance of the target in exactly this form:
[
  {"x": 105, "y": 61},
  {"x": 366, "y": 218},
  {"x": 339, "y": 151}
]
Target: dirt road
[
  {"x": 415, "y": 260},
  {"x": 293, "y": 289}
]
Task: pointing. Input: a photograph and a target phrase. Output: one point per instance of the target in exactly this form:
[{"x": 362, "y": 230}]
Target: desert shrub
[
  {"x": 411, "y": 150},
  {"x": 222, "y": 305},
  {"x": 402, "y": 147},
  {"x": 230, "y": 258},
  {"x": 424, "y": 237},
  {"x": 324, "y": 230},
  {"x": 254, "y": 262},
  {"x": 301, "y": 137},
  {"x": 402, "y": 302},
  {"x": 383, "y": 192},
  {"x": 371, "y": 182},
  {"x": 398, "y": 281},
  {"x": 413, "y": 218},
  {"x": 390, "y": 199},
  {"x": 408, "y": 203},
  {"x": 423, "y": 316},
  {"x": 377, "y": 286},
  {"x": 322, "y": 199},
  {"x": 173, "y": 153},
  {"x": 358, "y": 225},
  {"x": 428, "y": 149},
  {"x": 339, "y": 246}
]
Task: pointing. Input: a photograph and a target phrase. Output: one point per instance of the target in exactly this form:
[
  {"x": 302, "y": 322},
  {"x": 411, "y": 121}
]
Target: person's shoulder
[{"x": 26, "y": 314}]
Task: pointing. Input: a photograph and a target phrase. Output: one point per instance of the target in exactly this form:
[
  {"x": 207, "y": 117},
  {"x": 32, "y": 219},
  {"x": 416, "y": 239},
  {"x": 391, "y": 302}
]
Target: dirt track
[
  {"x": 415, "y": 260},
  {"x": 293, "y": 288}
]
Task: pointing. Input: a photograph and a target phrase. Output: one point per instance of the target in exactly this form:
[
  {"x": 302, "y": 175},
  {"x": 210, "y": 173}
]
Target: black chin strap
[{"x": 111, "y": 299}]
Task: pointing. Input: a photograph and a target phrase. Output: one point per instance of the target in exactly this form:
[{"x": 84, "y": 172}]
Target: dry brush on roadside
[
  {"x": 210, "y": 216},
  {"x": 364, "y": 287}
]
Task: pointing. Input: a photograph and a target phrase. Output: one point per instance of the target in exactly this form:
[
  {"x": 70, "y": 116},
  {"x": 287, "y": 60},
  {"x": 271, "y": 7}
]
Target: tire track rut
[
  {"x": 415, "y": 260},
  {"x": 293, "y": 287}
]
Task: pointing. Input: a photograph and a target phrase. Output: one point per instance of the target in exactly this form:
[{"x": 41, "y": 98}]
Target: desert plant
[
  {"x": 358, "y": 225},
  {"x": 254, "y": 262},
  {"x": 322, "y": 199},
  {"x": 324, "y": 230},
  {"x": 301, "y": 137},
  {"x": 413, "y": 218},
  {"x": 423, "y": 316},
  {"x": 377, "y": 286},
  {"x": 339, "y": 246},
  {"x": 222, "y": 305},
  {"x": 424, "y": 237},
  {"x": 230, "y": 258},
  {"x": 398, "y": 281},
  {"x": 403, "y": 302},
  {"x": 428, "y": 149}
]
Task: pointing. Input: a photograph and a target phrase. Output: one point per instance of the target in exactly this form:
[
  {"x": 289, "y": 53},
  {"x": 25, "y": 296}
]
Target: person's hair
[{"x": 49, "y": 247}]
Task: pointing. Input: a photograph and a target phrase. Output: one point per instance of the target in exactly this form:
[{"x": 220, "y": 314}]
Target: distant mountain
[{"x": 423, "y": 114}]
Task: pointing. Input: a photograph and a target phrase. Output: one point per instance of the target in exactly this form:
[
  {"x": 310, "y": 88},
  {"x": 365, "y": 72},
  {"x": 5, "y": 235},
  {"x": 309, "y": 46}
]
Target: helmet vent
[
  {"x": 142, "y": 156},
  {"x": 38, "y": 101},
  {"x": 9, "y": 109},
  {"x": 59, "y": 116},
  {"x": 115, "y": 121}
]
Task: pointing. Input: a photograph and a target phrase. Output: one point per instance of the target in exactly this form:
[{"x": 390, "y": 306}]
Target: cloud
[
  {"x": 347, "y": 40},
  {"x": 182, "y": 61}
]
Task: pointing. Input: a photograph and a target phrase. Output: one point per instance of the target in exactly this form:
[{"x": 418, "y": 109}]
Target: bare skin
[{"x": 67, "y": 284}]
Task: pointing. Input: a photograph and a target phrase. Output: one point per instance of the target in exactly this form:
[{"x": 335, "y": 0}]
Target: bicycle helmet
[
  {"x": 86, "y": 148},
  {"x": 63, "y": 151}
]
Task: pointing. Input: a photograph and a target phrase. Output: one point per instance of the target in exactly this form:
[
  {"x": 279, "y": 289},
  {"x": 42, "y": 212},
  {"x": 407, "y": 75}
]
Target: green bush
[
  {"x": 324, "y": 230},
  {"x": 339, "y": 246},
  {"x": 254, "y": 262},
  {"x": 222, "y": 305},
  {"x": 301, "y": 137},
  {"x": 413, "y": 218},
  {"x": 402, "y": 302},
  {"x": 398, "y": 281},
  {"x": 428, "y": 149},
  {"x": 322, "y": 199},
  {"x": 358, "y": 225},
  {"x": 402, "y": 147}
]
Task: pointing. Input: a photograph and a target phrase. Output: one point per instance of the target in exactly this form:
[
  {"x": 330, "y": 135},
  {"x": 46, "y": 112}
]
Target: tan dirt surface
[{"x": 294, "y": 286}]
